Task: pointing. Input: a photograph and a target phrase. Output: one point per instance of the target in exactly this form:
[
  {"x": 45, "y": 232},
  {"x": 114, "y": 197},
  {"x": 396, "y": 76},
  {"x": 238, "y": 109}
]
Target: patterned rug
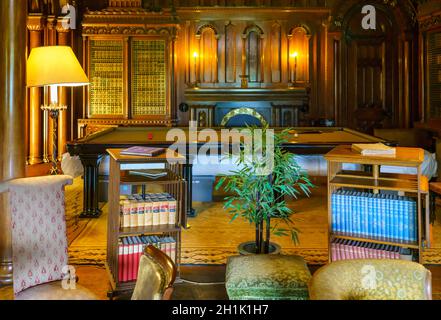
[{"x": 211, "y": 238}]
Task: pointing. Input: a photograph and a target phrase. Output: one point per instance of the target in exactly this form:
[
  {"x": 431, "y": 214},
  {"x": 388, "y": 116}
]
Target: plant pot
[{"x": 249, "y": 248}]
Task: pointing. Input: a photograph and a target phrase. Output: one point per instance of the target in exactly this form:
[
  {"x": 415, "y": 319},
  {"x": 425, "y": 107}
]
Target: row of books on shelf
[
  {"x": 130, "y": 250},
  {"x": 368, "y": 215},
  {"x": 150, "y": 210},
  {"x": 342, "y": 249}
]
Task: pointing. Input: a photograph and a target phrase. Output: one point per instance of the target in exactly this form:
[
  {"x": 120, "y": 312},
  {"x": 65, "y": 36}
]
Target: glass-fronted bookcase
[{"x": 130, "y": 60}]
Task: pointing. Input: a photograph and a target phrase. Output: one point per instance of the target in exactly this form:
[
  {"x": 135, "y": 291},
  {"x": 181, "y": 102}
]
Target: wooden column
[
  {"x": 35, "y": 26},
  {"x": 12, "y": 115},
  {"x": 64, "y": 39}
]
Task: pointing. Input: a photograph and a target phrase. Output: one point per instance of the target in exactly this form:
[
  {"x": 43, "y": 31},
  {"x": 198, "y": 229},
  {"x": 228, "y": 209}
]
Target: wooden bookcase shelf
[
  {"x": 373, "y": 184},
  {"x": 414, "y": 185},
  {"x": 133, "y": 231},
  {"x": 172, "y": 183},
  {"x": 411, "y": 245}
]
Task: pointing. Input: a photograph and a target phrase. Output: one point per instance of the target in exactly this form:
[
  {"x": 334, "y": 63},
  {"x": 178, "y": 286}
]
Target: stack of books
[
  {"x": 151, "y": 210},
  {"x": 143, "y": 151},
  {"x": 350, "y": 249},
  {"x": 130, "y": 250},
  {"x": 376, "y": 149},
  {"x": 378, "y": 216}
]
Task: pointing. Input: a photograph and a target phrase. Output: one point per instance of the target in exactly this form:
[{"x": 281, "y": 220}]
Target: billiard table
[{"x": 92, "y": 148}]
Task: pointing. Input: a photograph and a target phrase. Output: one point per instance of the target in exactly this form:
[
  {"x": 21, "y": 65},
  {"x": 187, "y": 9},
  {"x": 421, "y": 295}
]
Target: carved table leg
[
  {"x": 90, "y": 203},
  {"x": 188, "y": 176}
]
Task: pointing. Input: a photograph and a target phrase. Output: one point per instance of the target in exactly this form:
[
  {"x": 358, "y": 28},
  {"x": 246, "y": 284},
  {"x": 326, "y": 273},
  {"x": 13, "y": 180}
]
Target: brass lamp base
[{"x": 54, "y": 112}]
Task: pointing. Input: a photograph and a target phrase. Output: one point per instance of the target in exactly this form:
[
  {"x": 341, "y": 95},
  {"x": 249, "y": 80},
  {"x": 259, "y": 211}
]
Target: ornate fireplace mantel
[
  {"x": 279, "y": 107},
  {"x": 297, "y": 95}
]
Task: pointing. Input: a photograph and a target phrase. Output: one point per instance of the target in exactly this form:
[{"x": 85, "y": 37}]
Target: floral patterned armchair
[{"x": 39, "y": 240}]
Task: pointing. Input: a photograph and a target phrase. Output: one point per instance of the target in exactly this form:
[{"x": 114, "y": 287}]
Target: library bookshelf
[
  {"x": 171, "y": 183},
  {"x": 370, "y": 179}
]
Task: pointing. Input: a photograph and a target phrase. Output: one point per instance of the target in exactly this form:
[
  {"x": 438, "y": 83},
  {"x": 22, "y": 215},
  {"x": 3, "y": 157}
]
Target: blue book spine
[
  {"x": 333, "y": 212},
  {"x": 412, "y": 212},
  {"x": 390, "y": 218},
  {"x": 381, "y": 214},
  {"x": 375, "y": 210},
  {"x": 401, "y": 219},
  {"x": 364, "y": 214},
  {"x": 355, "y": 209},
  {"x": 369, "y": 213},
  {"x": 338, "y": 208},
  {"x": 345, "y": 211},
  {"x": 359, "y": 206},
  {"x": 384, "y": 216},
  {"x": 407, "y": 219},
  {"x": 394, "y": 220},
  {"x": 352, "y": 213},
  {"x": 411, "y": 219},
  {"x": 387, "y": 215}
]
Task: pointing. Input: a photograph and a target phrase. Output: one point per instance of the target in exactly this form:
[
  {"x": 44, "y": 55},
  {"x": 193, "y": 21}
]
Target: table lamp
[{"x": 52, "y": 67}]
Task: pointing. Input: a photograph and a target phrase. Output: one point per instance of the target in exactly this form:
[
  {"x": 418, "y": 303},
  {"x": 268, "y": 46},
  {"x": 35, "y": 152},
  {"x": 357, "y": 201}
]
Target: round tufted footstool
[{"x": 267, "y": 277}]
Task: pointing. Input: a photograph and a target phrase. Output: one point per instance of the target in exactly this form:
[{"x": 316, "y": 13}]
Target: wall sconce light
[
  {"x": 195, "y": 60},
  {"x": 294, "y": 61}
]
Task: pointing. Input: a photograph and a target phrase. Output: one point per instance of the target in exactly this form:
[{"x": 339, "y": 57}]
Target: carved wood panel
[
  {"x": 230, "y": 53},
  {"x": 370, "y": 77},
  {"x": 276, "y": 53}
]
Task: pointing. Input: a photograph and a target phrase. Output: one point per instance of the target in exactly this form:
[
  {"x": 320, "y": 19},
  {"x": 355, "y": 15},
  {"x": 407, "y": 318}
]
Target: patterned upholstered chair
[
  {"x": 156, "y": 276},
  {"x": 267, "y": 277},
  {"x": 39, "y": 240},
  {"x": 371, "y": 280}
]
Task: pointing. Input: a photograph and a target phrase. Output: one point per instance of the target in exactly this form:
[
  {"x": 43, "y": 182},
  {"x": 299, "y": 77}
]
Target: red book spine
[
  {"x": 140, "y": 247},
  {"x": 125, "y": 262},
  {"x": 120, "y": 262},
  {"x": 131, "y": 276},
  {"x": 135, "y": 259}
]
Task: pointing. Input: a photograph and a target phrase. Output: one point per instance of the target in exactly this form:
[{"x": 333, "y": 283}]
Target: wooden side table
[{"x": 417, "y": 185}]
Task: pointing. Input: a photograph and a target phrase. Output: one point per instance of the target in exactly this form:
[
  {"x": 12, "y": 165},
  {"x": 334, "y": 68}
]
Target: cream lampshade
[{"x": 52, "y": 67}]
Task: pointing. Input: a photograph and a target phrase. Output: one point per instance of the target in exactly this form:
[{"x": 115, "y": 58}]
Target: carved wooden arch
[
  {"x": 199, "y": 33},
  {"x": 305, "y": 48},
  {"x": 248, "y": 30},
  {"x": 357, "y": 8},
  {"x": 300, "y": 26},
  {"x": 207, "y": 26},
  {"x": 251, "y": 28},
  {"x": 405, "y": 13}
]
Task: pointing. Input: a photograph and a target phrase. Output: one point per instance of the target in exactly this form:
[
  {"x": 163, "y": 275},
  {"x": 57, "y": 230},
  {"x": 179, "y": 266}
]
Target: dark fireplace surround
[{"x": 241, "y": 107}]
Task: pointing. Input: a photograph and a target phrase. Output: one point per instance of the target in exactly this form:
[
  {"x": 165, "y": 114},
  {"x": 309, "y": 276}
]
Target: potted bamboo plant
[{"x": 260, "y": 198}]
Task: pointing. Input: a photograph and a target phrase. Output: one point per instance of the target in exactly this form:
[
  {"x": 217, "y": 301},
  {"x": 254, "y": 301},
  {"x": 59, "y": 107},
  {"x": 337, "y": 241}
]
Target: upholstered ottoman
[{"x": 267, "y": 277}]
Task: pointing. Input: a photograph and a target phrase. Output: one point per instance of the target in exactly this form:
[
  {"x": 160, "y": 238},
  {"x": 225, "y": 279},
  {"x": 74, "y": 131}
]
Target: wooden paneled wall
[
  {"x": 219, "y": 47},
  {"x": 361, "y": 79}
]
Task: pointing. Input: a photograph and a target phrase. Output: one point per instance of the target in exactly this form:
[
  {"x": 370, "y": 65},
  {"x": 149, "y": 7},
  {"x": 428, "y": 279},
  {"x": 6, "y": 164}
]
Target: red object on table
[{"x": 150, "y": 136}]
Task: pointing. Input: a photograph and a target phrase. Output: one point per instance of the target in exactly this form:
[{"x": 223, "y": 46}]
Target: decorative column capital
[
  {"x": 51, "y": 22},
  {"x": 59, "y": 26},
  {"x": 35, "y": 22}
]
